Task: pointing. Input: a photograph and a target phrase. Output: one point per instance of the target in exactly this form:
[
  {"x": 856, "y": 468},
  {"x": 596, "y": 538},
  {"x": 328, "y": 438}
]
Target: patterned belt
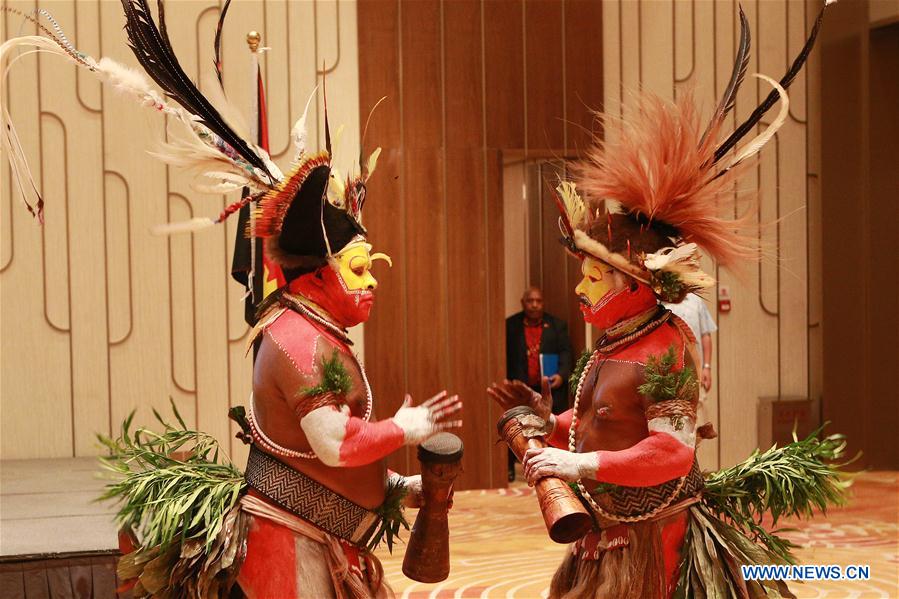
[
  {"x": 635, "y": 501},
  {"x": 309, "y": 499}
]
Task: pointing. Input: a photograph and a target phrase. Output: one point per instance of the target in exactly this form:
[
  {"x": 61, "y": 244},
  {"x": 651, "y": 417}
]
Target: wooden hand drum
[
  {"x": 427, "y": 554},
  {"x": 564, "y": 514}
]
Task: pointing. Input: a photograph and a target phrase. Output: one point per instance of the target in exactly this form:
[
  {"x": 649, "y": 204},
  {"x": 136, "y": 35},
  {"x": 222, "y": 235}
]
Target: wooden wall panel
[
  {"x": 883, "y": 300},
  {"x": 495, "y": 334},
  {"x": 478, "y": 83},
  {"x": 859, "y": 184},
  {"x": 99, "y": 317},
  {"x": 23, "y": 300},
  {"x": 504, "y": 99},
  {"x": 544, "y": 74},
  {"x": 584, "y": 84},
  {"x": 763, "y": 344},
  {"x": 379, "y": 76},
  {"x": 424, "y": 181}
]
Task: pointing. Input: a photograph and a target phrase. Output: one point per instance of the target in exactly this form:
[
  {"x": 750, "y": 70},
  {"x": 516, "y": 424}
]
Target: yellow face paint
[
  {"x": 599, "y": 278},
  {"x": 354, "y": 265}
]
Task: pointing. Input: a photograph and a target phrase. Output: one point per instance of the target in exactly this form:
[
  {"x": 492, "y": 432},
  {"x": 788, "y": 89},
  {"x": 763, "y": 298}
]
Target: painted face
[
  {"x": 354, "y": 267},
  {"x": 608, "y": 296},
  {"x": 599, "y": 280},
  {"x": 345, "y": 287}
]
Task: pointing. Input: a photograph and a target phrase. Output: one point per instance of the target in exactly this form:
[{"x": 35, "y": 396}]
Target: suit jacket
[{"x": 554, "y": 340}]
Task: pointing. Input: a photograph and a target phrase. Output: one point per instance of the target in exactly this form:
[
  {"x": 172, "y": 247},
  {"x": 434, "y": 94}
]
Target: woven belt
[
  {"x": 634, "y": 501},
  {"x": 309, "y": 499}
]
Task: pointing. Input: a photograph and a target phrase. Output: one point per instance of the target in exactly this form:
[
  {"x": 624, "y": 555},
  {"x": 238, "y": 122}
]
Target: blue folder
[{"x": 549, "y": 364}]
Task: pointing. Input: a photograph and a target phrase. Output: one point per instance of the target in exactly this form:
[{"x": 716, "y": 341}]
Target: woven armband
[
  {"x": 320, "y": 400},
  {"x": 331, "y": 391},
  {"x": 672, "y": 408}
]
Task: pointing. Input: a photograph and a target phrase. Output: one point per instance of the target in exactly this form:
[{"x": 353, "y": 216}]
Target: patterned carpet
[{"x": 500, "y": 547}]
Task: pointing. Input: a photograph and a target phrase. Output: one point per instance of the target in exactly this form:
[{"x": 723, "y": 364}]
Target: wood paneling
[
  {"x": 475, "y": 81},
  {"x": 859, "y": 212},
  {"x": 99, "y": 317},
  {"x": 379, "y": 76},
  {"x": 503, "y": 25},
  {"x": 584, "y": 74},
  {"x": 883, "y": 300},
  {"x": 544, "y": 74},
  {"x": 67, "y": 576}
]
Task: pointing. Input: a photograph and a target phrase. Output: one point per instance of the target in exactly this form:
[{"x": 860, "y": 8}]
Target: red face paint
[
  {"x": 326, "y": 288},
  {"x": 616, "y": 306}
]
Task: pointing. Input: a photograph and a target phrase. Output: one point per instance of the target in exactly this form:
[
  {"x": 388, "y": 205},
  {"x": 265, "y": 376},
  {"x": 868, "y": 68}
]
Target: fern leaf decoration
[
  {"x": 790, "y": 481},
  {"x": 335, "y": 378},
  {"x": 662, "y": 384},
  {"x": 171, "y": 485},
  {"x": 391, "y": 513}
]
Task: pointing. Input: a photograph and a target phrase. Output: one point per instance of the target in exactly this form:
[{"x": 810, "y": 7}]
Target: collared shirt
[
  {"x": 694, "y": 312},
  {"x": 533, "y": 333}
]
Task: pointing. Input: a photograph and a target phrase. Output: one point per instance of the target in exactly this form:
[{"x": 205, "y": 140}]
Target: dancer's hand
[
  {"x": 510, "y": 394},
  {"x": 569, "y": 466},
  {"x": 431, "y": 417}
]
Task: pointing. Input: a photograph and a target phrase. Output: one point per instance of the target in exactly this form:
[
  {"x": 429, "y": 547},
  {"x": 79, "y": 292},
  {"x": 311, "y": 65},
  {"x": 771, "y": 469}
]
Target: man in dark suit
[{"x": 529, "y": 334}]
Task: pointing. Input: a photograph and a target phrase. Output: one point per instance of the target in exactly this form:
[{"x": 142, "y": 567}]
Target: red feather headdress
[{"x": 655, "y": 192}]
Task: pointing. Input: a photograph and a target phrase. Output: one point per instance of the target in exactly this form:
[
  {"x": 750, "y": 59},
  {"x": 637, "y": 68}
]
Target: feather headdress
[
  {"x": 655, "y": 194},
  {"x": 208, "y": 140}
]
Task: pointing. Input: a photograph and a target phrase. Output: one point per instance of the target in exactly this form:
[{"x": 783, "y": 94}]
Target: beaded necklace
[
  {"x": 340, "y": 333},
  {"x": 299, "y": 306},
  {"x": 572, "y": 441}
]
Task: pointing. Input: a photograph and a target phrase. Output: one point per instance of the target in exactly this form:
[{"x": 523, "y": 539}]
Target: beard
[
  {"x": 326, "y": 288},
  {"x": 618, "y": 305}
]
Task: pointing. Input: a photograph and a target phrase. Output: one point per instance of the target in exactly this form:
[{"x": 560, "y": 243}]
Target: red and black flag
[{"x": 249, "y": 258}]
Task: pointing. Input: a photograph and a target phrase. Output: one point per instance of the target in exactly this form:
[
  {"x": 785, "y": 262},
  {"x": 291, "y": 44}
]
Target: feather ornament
[
  {"x": 189, "y": 226},
  {"x": 657, "y": 165},
  {"x": 363, "y": 165},
  {"x": 772, "y": 97},
  {"x": 231, "y": 115},
  {"x": 152, "y": 48},
  {"x": 741, "y": 63},
  {"x": 10, "y": 141},
  {"x": 337, "y": 189},
  {"x": 217, "y": 43},
  {"x": 756, "y": 144},
  {"x": 371, "y": 163},
  {"x": 128, "y": 81},
  {"x": 573, "y": 204},
  {"x": 681, "y": 261},
  {"x": 298, "y": 134}
]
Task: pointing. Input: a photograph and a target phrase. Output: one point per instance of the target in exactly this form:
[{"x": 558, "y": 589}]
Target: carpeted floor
[{"x": 500, "y": 547}]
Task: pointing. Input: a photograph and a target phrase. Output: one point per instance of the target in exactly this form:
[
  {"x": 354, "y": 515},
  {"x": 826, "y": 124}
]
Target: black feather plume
[
  {"x": 218, "y": 40},
  {"x": 153, "y": 50},
  {"x": 774, "y": 96},
  {"x": 728, "y": 98}
]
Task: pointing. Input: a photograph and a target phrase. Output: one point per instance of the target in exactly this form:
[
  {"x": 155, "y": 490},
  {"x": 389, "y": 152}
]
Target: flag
[{"x": 267, "y": 276}]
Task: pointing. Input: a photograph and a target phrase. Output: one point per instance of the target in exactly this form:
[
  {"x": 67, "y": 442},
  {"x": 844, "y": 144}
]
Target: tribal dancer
[
  {"x": 316, "y": 496},
  {"x": 628, "y": 444}
]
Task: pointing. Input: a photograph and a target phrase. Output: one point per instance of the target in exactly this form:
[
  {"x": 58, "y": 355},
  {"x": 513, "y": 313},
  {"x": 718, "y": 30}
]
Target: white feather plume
[
  {"x": 195, "y": 224},
  {"x": 574, "y": 204},
  {"x": 298, "y": 133},
  {"x": 372, "y": 162},
  {"x": 213, "y": 91},
  {"x": 126, "y": 80},
  {"x": 756, "y": 144},
  {"x": 682, "y": 261}
]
